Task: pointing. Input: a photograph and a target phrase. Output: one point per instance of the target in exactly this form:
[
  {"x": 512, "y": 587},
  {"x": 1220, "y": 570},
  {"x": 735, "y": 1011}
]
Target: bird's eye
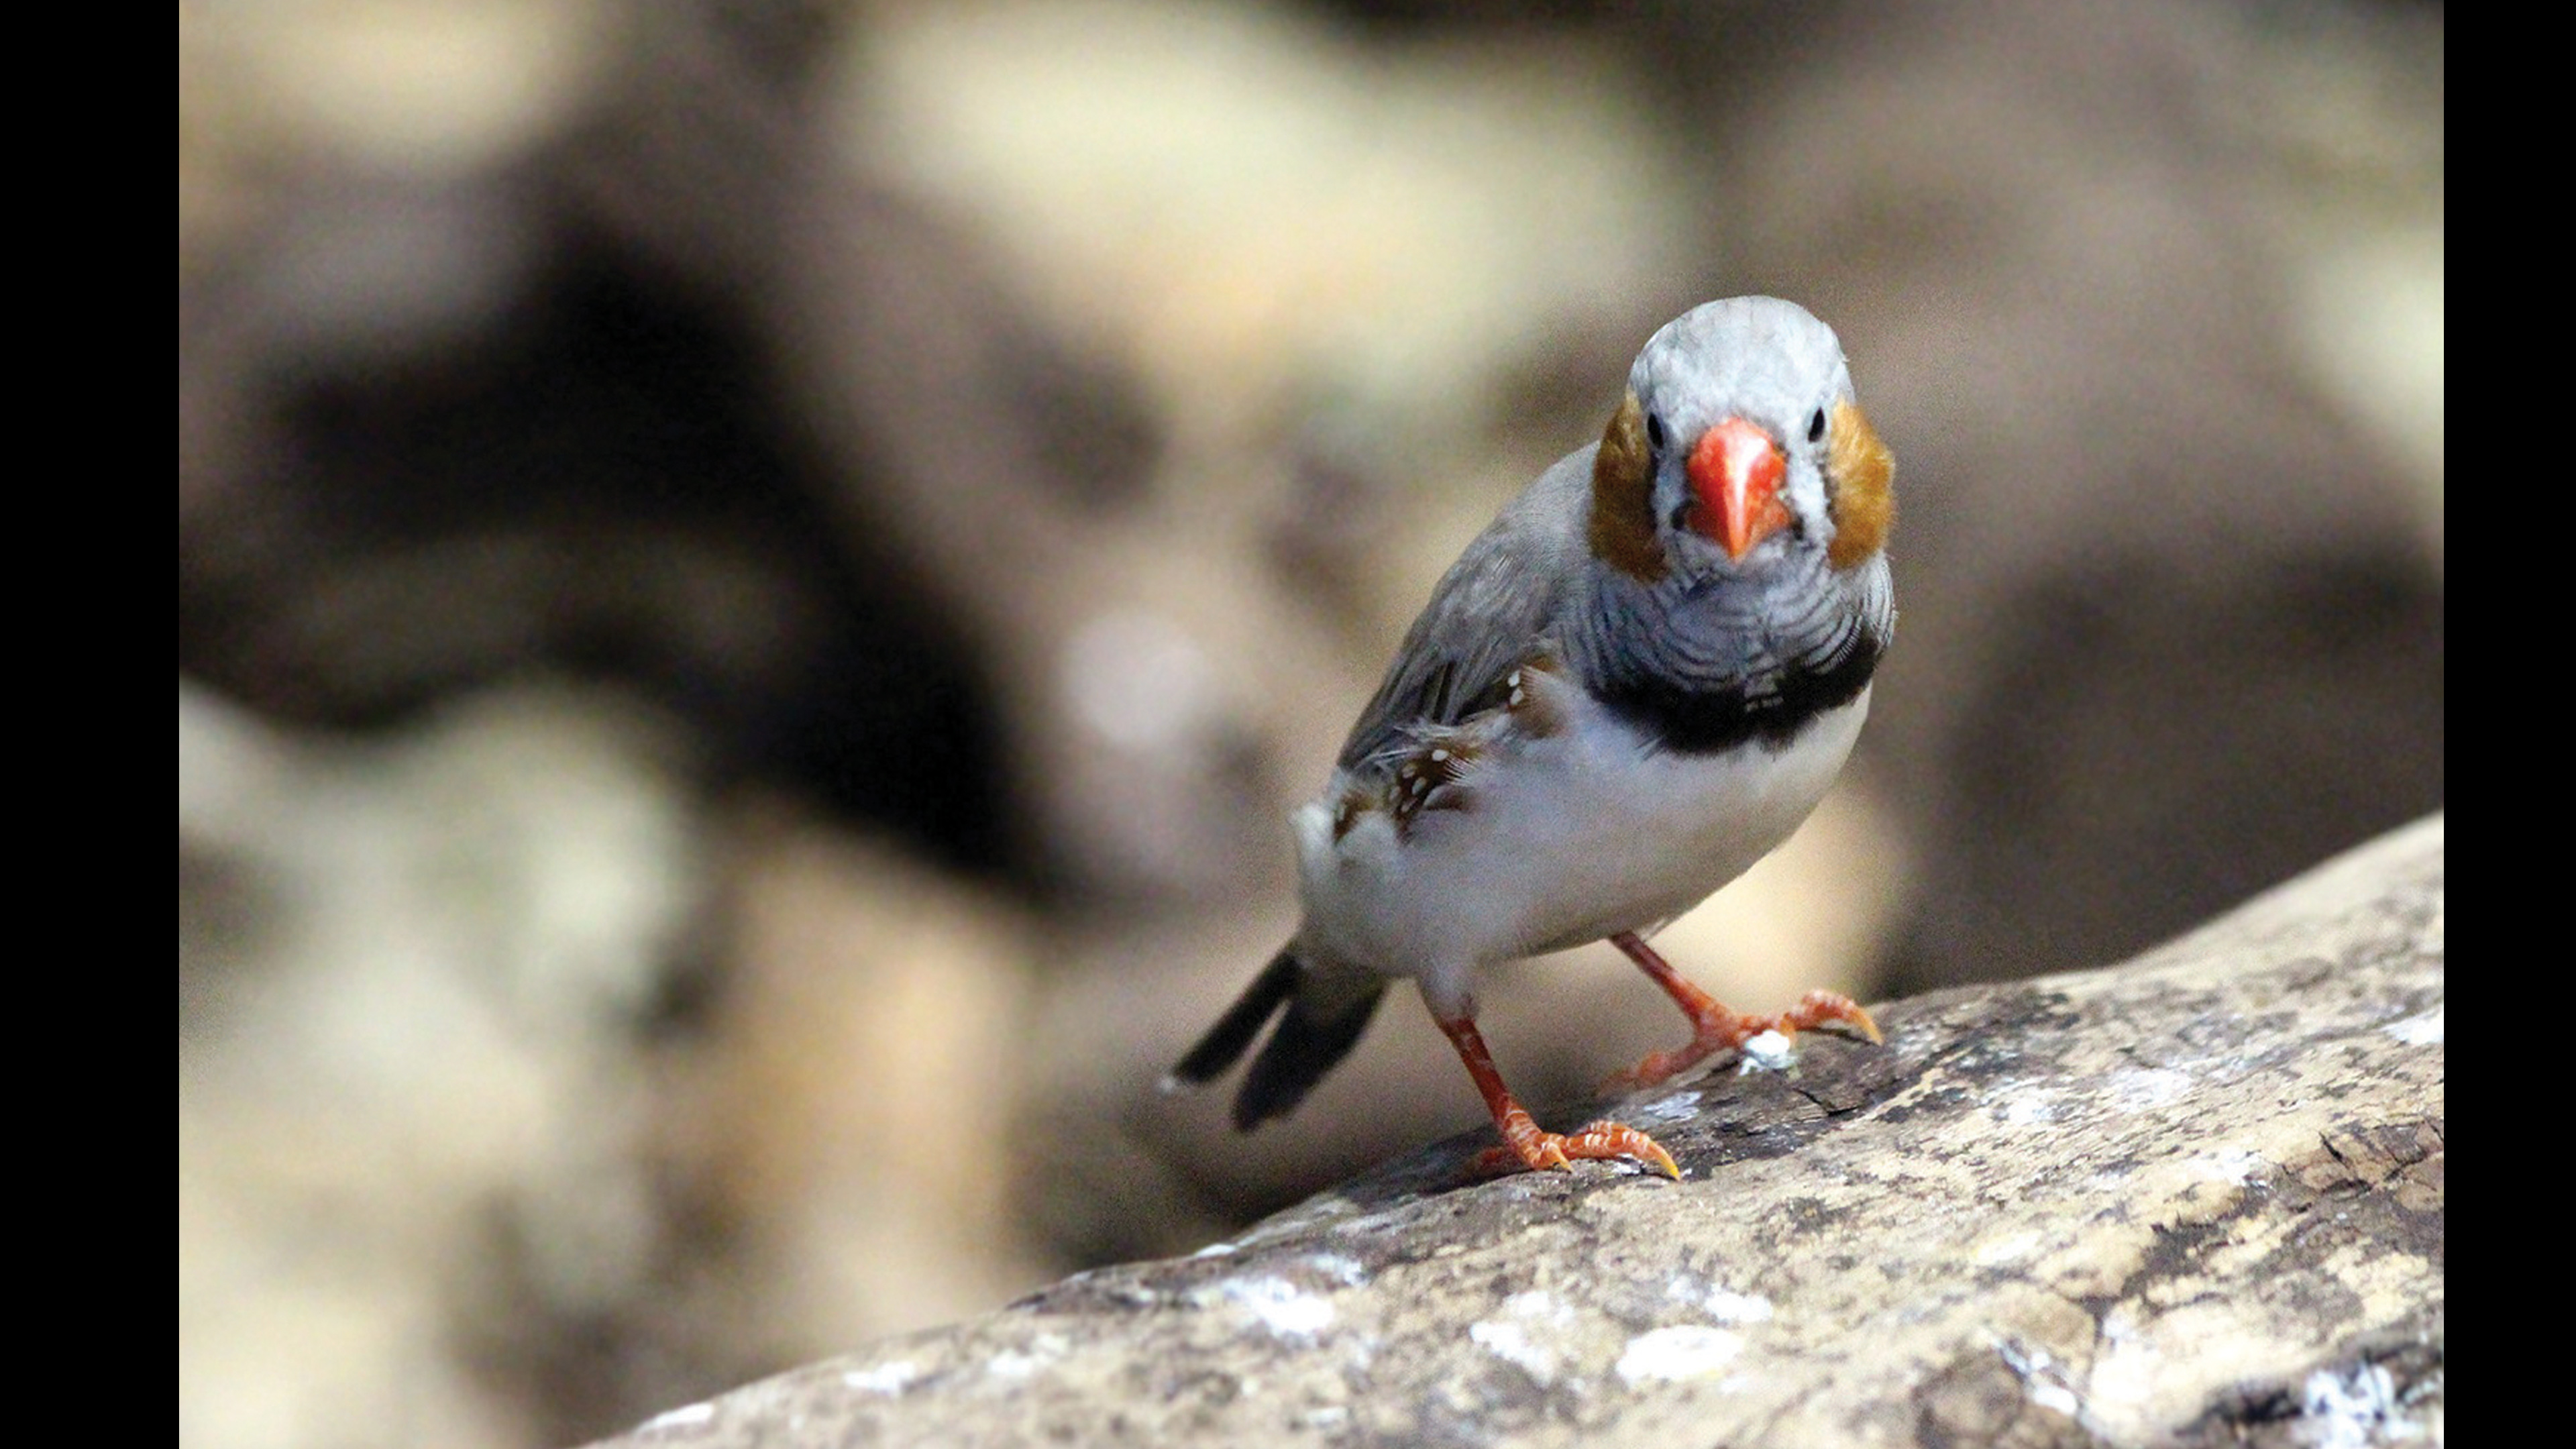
[
  {"x": 1655, "y": 431},
  {"x": 1816, "y": 426}
]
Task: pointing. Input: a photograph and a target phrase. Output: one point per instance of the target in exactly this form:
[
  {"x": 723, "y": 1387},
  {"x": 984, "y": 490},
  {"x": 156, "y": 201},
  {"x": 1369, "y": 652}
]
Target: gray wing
[{"x": 1497, "y": 603}]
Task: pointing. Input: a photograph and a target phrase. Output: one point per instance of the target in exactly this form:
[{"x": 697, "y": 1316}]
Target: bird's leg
[
  {"x": 1715, "y": 1027},
  {"x": 1526, "y": 1142}
]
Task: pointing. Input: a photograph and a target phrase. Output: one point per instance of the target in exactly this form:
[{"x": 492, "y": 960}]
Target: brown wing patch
[
  {"x": 1623, "y": 505},
  {"x": 1529, "y": 697},
  {"x": 1526, "y": 700},
  {"x": 1354, "y": 803},
  {"x": 1863, "y": 472},
  {"x": 1428, "y": 780}
]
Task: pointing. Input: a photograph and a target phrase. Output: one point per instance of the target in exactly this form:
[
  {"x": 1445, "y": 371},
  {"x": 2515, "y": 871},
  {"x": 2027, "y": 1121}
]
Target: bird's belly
[{"x": 1565, "y": 840}]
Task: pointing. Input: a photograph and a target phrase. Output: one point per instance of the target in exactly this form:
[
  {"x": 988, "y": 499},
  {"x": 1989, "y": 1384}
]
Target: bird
[{"x": 1636, "y": 682}]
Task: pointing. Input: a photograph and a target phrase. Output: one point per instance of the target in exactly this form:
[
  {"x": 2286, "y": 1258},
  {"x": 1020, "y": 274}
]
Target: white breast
[{"x": 1564, "y": 840}]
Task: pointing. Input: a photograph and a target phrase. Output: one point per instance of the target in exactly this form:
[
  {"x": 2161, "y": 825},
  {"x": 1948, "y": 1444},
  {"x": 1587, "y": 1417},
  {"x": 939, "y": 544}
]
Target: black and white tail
[{"x": 1317, "y": 1028}]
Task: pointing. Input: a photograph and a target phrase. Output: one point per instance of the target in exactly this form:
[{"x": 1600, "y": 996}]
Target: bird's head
[{"x": 1738, "y": 443}]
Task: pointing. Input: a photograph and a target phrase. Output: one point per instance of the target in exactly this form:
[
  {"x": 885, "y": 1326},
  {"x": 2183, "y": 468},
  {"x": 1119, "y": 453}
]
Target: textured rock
[{"x": 2194, "y": 1199}]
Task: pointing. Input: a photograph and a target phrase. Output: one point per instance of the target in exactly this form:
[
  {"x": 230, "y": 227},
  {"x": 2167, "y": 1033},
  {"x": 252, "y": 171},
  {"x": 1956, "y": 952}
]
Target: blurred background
[{"x": 757, "y": 580}]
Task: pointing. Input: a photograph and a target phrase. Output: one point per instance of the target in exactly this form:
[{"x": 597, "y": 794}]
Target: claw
[
  {"x": 1730, "y": 1029},
  {"x": 1716, "y": 1028},
  {"x": 1528, "y": 1147},
  {"x": 1825, "y": 1008},
  {"x": 1537, "y": 1151}
]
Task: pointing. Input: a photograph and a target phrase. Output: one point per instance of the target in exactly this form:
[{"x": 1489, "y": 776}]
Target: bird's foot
[
  {"x": 1534, "y": 1150},
  {"x": 1526, "y": 1146},
  {"x": 1718, "y": 1029}
]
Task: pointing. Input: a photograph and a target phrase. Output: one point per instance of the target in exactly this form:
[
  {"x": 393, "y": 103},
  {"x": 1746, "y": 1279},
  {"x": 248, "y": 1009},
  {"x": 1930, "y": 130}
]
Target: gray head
[{"x": 1740, "y": 441}]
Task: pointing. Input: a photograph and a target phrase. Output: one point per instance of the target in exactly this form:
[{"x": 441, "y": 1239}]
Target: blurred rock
[
  {"x": 584, "y": 437},
  {"x": 846, "y": 1117},
  {"x": 2215, "y": 721},
  {"x": 463, "y": 1148},
  {"x": 414, "y": 980}
]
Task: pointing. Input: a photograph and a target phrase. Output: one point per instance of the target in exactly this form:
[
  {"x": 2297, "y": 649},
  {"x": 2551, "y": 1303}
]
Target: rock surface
[{"x": 2193, "y": 1199}]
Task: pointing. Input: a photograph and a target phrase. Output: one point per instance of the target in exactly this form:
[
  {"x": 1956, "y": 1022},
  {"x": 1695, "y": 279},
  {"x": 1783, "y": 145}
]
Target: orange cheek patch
[
  {"x": 1622, "y": 530},
  {"x": 1864, "y": 478}
]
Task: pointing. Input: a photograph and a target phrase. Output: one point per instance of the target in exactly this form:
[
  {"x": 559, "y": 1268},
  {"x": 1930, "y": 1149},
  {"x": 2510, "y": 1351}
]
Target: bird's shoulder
[{"x": 1493, "y": 611}]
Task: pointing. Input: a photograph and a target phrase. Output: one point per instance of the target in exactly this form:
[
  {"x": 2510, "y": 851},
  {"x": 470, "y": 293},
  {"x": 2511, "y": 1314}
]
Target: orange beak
[{"x": 1735, "y": 474}]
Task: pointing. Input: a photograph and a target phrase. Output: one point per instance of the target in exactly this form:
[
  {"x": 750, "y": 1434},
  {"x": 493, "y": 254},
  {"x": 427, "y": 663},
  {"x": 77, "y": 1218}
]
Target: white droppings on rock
[
  {"x": 1011, "y": 1363},
  {"x": 885, "y": 1378},
  {"x": 2043, "y": 1382},
  {"x": 1284, "y": 1308},
  {"x": 1722, "y": 1304},
  {"x": 1394, "y": 1220},
  {"x": 1766, "y": 1052},
  {"x": 1684, "y": 1351},
  {"x": 2354, "y": 1410},
  {"x": 2422, "y": 1029},
  {"x": 2056, "y": 1398},
  {"x": 1522, "y": 1334},
  {"x": 1340, "y": 1267},
  {"x": 680, "y": 1418},
  {"x": 2144, "y": 1088},
  {"x": 2031, "y": 1109},
  {"x": 1511, "y": 1343},
  {"x": 1673, "y": 1108},
  {"x": 2236, "y": 1166},
  {"x": 2005, "y": 1249},
  {"x": 2127, "y": 1366},
  {"x": 1728, "y": 1307},
  {"x": 1214, "y": 1250}
]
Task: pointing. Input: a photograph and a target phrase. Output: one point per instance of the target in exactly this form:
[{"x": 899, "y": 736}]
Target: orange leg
[
  {"x": 1715, "y": 1027},
  {"x": 1525, "y": 1140}
]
